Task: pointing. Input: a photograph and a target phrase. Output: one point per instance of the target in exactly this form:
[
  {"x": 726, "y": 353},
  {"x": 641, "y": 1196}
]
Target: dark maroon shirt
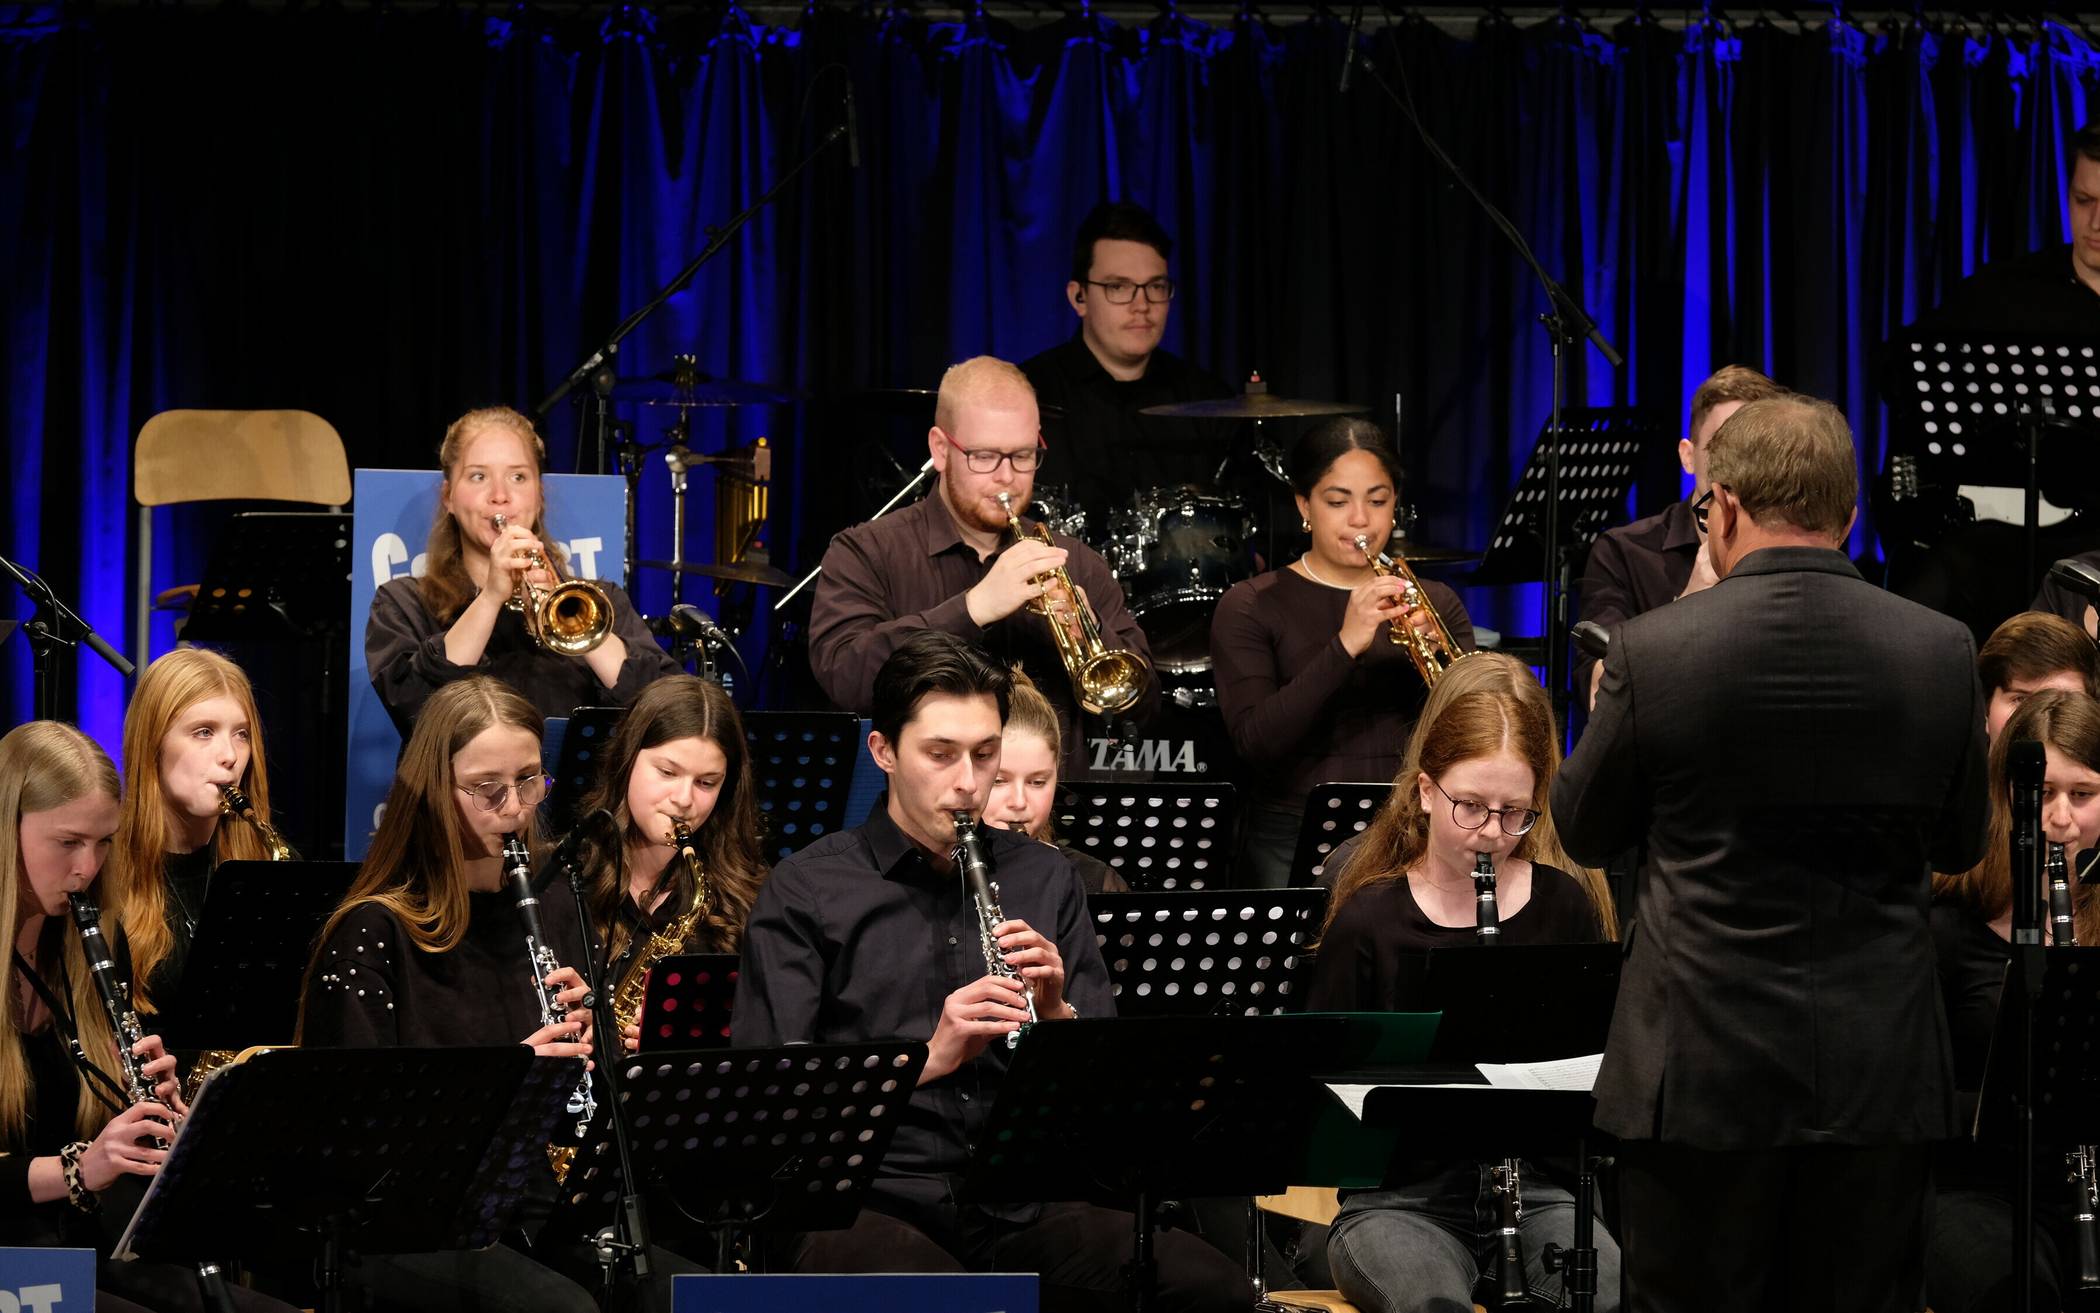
[
  {"x": 887, "y": 579},
  {"x": 1636, "y": 568},
  {"x": 1300, "y": 709}
]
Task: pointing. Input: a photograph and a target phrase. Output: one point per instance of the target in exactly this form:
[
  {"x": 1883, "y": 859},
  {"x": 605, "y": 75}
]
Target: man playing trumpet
[{"x": 951, "y": 562}]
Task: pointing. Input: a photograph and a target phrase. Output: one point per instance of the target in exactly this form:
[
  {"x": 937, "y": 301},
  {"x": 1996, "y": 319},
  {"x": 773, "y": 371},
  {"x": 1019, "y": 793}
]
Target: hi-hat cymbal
[
  {"x": 736, "y": 571},
  {"x": 681, "y": 387},
  {"x": 1255, "y": 401}
]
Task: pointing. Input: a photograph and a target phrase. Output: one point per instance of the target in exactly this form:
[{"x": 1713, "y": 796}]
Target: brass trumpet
[
  {"x": 1107, "y": 680},
  {"x": 1433, "y": 652},
  {"x": 572, "y": 618}
]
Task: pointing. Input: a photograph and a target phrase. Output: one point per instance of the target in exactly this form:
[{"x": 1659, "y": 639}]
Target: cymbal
[
  {"x": 1252, "y": 405},
  {"x": 736, "y": 571},
  {"x": 679, "y": 387},
  {"x": 1414, "y": 551}
]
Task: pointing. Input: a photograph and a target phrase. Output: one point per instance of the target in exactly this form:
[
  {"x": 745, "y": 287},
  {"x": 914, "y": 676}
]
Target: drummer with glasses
[
  {"x": 1093, "y": 386},
  {"x": 1311, "y": 685},
  {"x": 951, "y": 562}
]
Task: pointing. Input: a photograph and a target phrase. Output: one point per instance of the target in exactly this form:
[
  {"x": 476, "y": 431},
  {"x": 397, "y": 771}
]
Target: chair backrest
[
  {"x": 1334, "y": 814},
  {"x": 264, "y": 455}
]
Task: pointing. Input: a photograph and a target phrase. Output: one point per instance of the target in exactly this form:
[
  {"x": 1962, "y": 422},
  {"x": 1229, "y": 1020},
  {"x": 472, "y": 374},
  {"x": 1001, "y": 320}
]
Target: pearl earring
[{"x": 1305, "y": 525}]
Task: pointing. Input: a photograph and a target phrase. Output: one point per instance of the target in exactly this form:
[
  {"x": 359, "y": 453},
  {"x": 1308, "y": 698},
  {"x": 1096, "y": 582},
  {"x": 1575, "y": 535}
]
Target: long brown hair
[
  {"x": 2070, "y": 723},
  {"x": 728, "y": 842},
  {"x": 1030, "y": 712},
  {"x": 445, "y": 587},
  {"x": 136, "y": 876},
  {"x": 43, "y": 765},
  {"x": 1482, "y": 705}
]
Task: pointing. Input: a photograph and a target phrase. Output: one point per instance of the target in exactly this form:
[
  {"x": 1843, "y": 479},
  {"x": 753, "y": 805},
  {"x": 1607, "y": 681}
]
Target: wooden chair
[
  {"x": 1317, "y": 1205},
  {"x": 224, "y": 455}
]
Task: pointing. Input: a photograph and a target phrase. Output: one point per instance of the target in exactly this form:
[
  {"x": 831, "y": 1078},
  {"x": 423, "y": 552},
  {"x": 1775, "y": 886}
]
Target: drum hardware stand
[
  {"x": 49, "y": 630},
  {"x": 903, "y": 494}
]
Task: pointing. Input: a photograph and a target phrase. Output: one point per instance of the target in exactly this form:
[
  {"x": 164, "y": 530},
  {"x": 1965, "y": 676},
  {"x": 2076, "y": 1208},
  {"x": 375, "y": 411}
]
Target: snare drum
[{"x": 1177, "y": 551}]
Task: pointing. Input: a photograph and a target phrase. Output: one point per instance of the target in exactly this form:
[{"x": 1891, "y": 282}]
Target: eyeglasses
[
  {"x": 1024, "y": 461},
  {"x": 1700, "y": 508},
  {"x": 1158, "y": 291},
  {"x": 491, "y": 796},
  {"x": 1472, "y": 815}
]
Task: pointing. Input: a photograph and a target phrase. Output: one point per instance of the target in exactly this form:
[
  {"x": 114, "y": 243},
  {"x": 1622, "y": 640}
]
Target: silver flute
[
  {"x": 517, "y": 861},
  {"x": 984, "y": 894}
]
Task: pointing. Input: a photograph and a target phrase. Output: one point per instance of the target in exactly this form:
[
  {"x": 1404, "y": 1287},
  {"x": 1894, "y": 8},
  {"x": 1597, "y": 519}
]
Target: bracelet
[{"x": 69, "y": 1167}]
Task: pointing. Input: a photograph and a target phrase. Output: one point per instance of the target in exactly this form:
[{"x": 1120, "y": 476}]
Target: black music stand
[
  {"x": 364, "y": 1151},
  {"x": 584, "y": 735},
  {"x": 273, "y": 573},
  {"x": 254, "y": 939},
  {"x": 1156, "y": 836},
  {"x": 1238, "y": 952},
  {"x": 1334, "y": 814},
  {"x": 778, "y": 1139},
  {"x": 802, "y": 764},
  {"x": 1157, "y": 1107},
  {"x": 1982, "y": 404},
  {"x": 687, "y": 1002}
]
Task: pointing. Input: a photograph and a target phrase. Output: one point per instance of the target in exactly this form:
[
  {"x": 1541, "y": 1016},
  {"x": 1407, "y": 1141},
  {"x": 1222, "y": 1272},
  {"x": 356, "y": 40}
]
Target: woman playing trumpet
[
  {"x": 677, "y": 767},
  {"x": 1312, "y": 687},
  {"x": 456, "y": 620},
  {"x": 193, "y": 750}
]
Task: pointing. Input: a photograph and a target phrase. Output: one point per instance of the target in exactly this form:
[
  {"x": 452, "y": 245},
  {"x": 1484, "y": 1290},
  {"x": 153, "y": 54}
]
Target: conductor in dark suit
[{"x": 1798, "y": 750}]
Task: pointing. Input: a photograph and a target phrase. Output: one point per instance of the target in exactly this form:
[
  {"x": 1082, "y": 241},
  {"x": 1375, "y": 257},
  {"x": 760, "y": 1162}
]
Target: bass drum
[{"x": 1176, "y": 552}]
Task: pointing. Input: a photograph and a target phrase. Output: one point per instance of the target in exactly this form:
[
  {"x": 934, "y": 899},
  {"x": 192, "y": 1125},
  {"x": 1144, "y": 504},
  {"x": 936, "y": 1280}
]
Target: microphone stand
[
  {"x": 881, "y": 511},
  {"x": 625, "y": 1244},
  {"x": 46, "y": 633},
  {"x": 1567, "y": 324},
  {"x": 596, "y": 368},
  {"x": 2027, "y": 767}
]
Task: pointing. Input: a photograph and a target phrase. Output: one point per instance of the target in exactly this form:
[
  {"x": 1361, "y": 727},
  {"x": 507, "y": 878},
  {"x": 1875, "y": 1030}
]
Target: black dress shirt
[
  {"x": 405, "y": 653},
  {"x": 857, "y": 938},
  {"x": 1102, "y": 448},
  {"x": 885, "y": 580},
  {"x": 2036, "y": 294},
  {"x": 1636, "y": 568}
]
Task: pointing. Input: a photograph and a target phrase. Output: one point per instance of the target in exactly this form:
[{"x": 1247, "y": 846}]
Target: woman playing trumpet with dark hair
[
  {"x": 74, "y": 1146},
  {"x": 1475, "y": 780},
  {"x": 1311, "y": 686},
  {"x": 457, "y": 619},
  {"x": 199, "y": 795},
  {"x": 676, "y": 776}
]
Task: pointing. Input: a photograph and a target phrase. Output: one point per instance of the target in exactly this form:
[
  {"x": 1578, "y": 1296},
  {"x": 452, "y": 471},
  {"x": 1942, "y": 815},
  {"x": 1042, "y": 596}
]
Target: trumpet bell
[
  {"x": 1111, "y": 683},
  {"x": 573, "y": 617}
]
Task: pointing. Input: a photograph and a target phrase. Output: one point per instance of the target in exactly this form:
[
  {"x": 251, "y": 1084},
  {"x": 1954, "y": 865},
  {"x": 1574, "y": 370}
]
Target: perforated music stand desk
[
  {"x": 272, "y": 573},
  {"x": 1600, "y": 452},
  {"x": 363, "y": 1151},
  {"x": 1156, "y": 1107},
  {"x": 802, "y": 765},
  {"x": 584, "y": 735},
  {"x": 1334, "y": 814},
  {"x": 1208, "y": 952},
  {"x": 1158, "y": 837},
  {"x": 687, "y": 1003},
  {"x": 2066, "y": 1062},
  {"x": 782, "y": 1138},
  {"x": 241, "y": 983}
]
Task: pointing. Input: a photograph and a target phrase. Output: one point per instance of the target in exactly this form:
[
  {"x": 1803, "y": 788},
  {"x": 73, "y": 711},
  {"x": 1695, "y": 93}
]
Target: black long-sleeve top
[
  {"x": 1302, "y": 711},
  {"x": 857, "y": 937},
  {"x": 1636, "y": 568},
  {"x": 405, "y": 653},
  {"x": 373, "y": 988}
]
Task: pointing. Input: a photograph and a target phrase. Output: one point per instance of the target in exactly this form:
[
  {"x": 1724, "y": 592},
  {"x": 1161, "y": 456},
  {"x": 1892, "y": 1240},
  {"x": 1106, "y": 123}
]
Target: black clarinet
[
  {"x": 2079, "y": 1165},
  {"x": 1510, "y": 1287},
  {"x": 116, "y": 997},
  {"x": 984, "y": 898},
  {"x": 583, "y": 1103}
]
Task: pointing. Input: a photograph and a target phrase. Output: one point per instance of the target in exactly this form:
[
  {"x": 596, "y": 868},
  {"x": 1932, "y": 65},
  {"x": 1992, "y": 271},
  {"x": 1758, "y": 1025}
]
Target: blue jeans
[{"x": 1420, "y": 1248}]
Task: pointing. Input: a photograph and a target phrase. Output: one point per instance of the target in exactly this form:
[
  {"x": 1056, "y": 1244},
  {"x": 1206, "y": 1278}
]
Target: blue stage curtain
[{"x": 388, "y": 216}]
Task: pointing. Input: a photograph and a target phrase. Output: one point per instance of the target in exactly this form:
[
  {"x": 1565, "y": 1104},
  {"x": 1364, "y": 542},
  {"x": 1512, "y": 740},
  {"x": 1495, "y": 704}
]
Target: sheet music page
[{"x": 1578, "y": 1074}]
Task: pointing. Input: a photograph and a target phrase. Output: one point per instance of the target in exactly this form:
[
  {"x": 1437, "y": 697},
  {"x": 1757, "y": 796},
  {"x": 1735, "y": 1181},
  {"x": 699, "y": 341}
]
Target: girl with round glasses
[{"x": 1475, "y": 778}]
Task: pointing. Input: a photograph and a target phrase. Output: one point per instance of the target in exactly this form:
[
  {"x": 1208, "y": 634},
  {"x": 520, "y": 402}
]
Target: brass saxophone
[
  {"x": 641, "y": 959},
  {"x": 233, "y": 802}
]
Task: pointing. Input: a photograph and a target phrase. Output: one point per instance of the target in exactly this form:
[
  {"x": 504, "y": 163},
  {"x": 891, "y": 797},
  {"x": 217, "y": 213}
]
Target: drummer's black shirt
[{"x": 1101, "y": 447}]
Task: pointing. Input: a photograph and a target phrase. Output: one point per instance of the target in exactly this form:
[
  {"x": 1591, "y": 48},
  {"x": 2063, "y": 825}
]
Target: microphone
[
  {"x": 852, "y": 130},
  {"x": 2077, "y": 576},
  {"x": 2027, "y": 762},
  {"x": 690, "y": 622},
  {"x": 1356, "y": 22},
  {"x": 565, "y": 852},
  {"x": 1594, "y": 639}
]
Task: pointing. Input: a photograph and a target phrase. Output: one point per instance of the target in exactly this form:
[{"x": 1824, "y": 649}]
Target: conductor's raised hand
[
  {"x": 972, "y": 1017},
  {"x": 1014, "y": 580}
]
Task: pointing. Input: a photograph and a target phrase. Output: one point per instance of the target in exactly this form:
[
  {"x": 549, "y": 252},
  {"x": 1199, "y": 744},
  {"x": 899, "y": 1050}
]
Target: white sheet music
[{"x": 1562, "y": 1074}]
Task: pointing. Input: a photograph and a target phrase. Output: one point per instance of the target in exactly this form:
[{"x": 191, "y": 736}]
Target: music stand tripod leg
[
  {"x": 1143, "y": 1269},
  {"x": 1577, "y": 1264}
]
